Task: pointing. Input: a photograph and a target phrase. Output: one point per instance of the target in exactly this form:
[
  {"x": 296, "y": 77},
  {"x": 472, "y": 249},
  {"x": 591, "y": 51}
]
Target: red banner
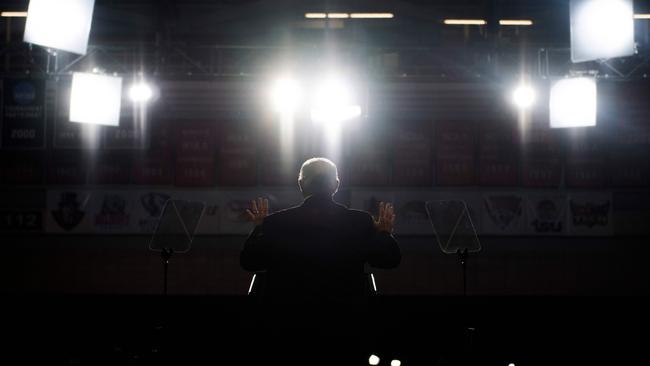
[
  {"x": 542, "y": 164},
  {"x": 412, "y": 154},
  {"x": 195, "y": 154},
  {"x": 498, "y": 154},
  {"x": 20, "y": 168},
  {"x": 153, "y": 168},
  {"x": 585, "y": 166},
  {"x": 237, "y": 164},
  {"x": 630, "y": 153},
  {"x": 111, "y": 167},
  {"x": 455, "y": 145},
  {"x": 194, "y": 172},
  {"x": 67, "y": 167},
  {"x": 368, "y": 157}
]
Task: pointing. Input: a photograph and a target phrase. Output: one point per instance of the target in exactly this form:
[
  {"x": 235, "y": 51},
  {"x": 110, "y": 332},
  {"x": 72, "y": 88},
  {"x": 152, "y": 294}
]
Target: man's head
[{"x": 318, "y": 176}]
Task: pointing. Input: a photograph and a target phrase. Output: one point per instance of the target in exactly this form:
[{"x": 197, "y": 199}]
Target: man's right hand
[
  {"x": 258, "y": 211},
  {"x": 386, "y": 218}
]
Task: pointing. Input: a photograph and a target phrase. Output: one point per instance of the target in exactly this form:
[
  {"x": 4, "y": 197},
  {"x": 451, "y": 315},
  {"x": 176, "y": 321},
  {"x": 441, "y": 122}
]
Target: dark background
[{"x": 533, "y": 298}]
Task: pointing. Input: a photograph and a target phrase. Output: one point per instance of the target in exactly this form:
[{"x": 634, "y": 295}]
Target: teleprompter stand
[
  {"x": 455, "y": 234},
  {"x": 175, "y": 231}
]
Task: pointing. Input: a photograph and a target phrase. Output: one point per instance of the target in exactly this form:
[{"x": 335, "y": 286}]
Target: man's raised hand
[
  {"x": 258, "y": 211},
  {"x": 386, "y": 218}
]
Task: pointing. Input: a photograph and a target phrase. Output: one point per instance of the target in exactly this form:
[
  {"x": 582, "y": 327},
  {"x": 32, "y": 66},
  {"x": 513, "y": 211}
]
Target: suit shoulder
[
  {"x": 281, "y": 214},
  {"x": 359, "y": 214}
]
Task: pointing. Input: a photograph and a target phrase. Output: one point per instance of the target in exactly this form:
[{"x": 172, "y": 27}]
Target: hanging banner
[
  {"x": 130, "y": 134},
  {"x": 546, "y": 213},
  {"x": 111, "y": 167},
  {"x": 152, "y": 168},
  {"x": 412, "y": 154},
  {"x": 498, "y": 155},
  {"x": 503, "y": 214},
  {"x": 237, "y": 151},
  {"x": 67, "y": 167},
  {"x": 22, "y": 167},
  {"x": 23, "y": 114},
  {"x": 629, "y": 156},
  {"x": 455, "y": 144},
  {"x": 195, "y": 154},
  {"x": 590, "y": 213},
  {"x": 542, "y": 161},
  {"x": 585, "y": 167},
  {"x": 368, "y": 159}
]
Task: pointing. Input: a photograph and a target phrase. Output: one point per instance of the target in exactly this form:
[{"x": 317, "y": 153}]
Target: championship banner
[
  {"x": 67, "y": 167},
  {"x": 412, "y": 154},
  {"x": 629, "y": 156},
  {"x": 368, "y": 160},
  {"x": 21, "y": 211},
  {"x": 153, "y": 168},
  {"x": 194, "y": 171},
  {"x": 455, "y": 145},
  {"x": 70, "y": 135},
  {"x": 237, "y": 161},
  {"x": 498, "y": 155},
  {"x": 631, "y": 213},
  {"x": 111, "y": 167},
  {"x": 503, "y": 214},
  {"x": 131, "y": 134},
  {"x": 23, "y": 114},
  {"x": 585, "y": 166},
  {"x": 195, "y": 154},
  {"x": 542, "y": 162},
  {"x": 22, "y": 167},
  {"x": 234, "y": 204},
  {"x": 590, "y": 214},
  {"x": 280, "y": 163},
  {"x": 546, "y": 213}
]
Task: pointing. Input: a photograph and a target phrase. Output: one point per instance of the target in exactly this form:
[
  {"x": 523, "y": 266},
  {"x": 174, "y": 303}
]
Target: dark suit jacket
[{"x": 317, "y": 252}]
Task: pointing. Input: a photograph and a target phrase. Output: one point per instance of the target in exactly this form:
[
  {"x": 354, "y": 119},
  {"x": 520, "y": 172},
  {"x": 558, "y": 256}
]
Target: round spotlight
[
  {"x": 524, "y": 97},
  {"x": 511, "y": 364},
  {"x": 285, "y": 95},
  {"x": 395, "y": 363},
  {"x": 334, "y": 102},
  {"x": 373, "y": 360},
  {"x": 140, "y": 93}
]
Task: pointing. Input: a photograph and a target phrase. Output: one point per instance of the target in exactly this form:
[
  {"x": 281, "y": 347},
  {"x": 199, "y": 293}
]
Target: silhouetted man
[
  {"x": 316, "y": 252},
  {"x": 314, "y": 256}
]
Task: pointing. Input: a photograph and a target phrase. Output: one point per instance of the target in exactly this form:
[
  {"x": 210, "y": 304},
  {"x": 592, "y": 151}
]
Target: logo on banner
[
  {"x": 24, "y": 93},
  {"x": 504, "y": 211},
  {"x": 68, "y": 214},
  {"x": 113, "y": 213},
  {"x": 547, "y": 217},
  {"x": 590, "y": 214},
  {"x": 153, "y": 203}
]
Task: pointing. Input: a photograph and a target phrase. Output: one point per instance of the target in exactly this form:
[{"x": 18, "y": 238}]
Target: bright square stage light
[
  {"x": 95, "y": 99},
  {"x": 601, "y": 29},
  {"x": 60, "y": 24},
  {"x": 574, "y": 103}
]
